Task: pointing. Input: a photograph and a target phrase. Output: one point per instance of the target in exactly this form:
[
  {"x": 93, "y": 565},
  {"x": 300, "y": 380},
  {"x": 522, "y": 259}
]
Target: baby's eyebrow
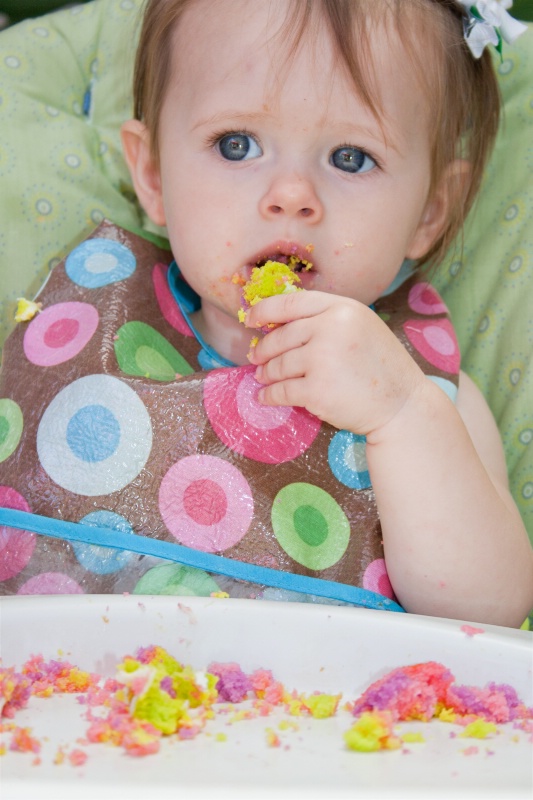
[
  {"x": 232, "y": 115},
  {"x": 344, "y": 130}
]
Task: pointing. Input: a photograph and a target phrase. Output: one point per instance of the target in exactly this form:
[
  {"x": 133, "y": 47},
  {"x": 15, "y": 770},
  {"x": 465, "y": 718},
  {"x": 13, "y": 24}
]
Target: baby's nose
[{"x": 293, "y": 196}]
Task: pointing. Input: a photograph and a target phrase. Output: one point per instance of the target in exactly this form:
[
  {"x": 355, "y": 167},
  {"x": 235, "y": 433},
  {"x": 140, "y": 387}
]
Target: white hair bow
[{"x": 488, "y": 23}]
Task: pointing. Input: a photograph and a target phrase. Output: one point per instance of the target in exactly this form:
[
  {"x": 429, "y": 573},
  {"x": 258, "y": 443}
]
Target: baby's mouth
[{"x": 294, "y": 262}]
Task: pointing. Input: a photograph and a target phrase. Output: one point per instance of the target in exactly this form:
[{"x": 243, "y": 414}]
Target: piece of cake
[
  {"x": 426, "y": 690},
  {"x": 274, "y": 277}
]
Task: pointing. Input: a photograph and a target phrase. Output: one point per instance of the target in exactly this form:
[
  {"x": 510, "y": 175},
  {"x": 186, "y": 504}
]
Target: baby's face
[{"x": 260, "y": 155}]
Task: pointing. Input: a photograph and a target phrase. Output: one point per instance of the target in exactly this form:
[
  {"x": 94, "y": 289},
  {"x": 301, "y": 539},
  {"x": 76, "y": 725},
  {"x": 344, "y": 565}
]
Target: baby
[
  {"x": 348, "y": 140},
  {"x": 361, "y": 128}
]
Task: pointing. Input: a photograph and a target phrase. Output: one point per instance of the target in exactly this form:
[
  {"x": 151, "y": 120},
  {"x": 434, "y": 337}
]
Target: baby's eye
[
  {"x": 352, "y": 159},
  {"x": 238, "y": 147}
]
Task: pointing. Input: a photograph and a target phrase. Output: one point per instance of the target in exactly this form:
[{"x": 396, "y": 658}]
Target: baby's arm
[
  {"x": 464, "y": 552},
  {"x": 454, "y": 542}
]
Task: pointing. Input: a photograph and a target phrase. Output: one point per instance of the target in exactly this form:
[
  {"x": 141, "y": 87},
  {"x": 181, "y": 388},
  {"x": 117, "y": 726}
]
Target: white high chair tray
[{"x": 308, "y": 648}]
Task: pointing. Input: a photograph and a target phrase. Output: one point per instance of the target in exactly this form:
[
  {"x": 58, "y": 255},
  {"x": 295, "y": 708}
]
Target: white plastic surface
[{"x": 308, "y": 648}]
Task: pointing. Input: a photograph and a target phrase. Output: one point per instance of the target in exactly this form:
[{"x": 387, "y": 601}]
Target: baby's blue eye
[
  {"x": 352, "y": 159},
  {"x": 238, "y": 147}
]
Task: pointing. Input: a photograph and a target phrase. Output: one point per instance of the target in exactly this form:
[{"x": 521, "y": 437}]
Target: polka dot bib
[{"x": 125, "y": 466}]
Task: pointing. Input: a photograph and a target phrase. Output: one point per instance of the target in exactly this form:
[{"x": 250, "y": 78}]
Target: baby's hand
[{"x": 333, "y": 356}]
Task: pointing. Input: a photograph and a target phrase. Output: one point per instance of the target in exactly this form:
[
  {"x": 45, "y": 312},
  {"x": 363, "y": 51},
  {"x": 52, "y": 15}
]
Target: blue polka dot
[
  {"x": 93, "y": 433},
  {"x": 347, "y": 460},
  {"x": 447, "y": 386},
  {"x": 99, "y": 262},
  {"x": 103, "y": 560}
]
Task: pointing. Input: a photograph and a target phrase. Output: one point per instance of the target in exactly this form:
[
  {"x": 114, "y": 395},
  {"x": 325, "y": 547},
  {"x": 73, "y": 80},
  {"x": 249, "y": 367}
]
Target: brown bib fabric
[{"x": 177, "y": 480}]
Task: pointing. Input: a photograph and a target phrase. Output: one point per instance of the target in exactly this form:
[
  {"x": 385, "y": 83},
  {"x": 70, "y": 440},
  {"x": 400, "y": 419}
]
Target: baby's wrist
[{"x": 411, "y": 406}]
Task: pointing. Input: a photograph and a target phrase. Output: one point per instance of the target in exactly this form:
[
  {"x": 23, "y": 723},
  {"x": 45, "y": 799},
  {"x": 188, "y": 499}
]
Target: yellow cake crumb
[
  {"x": 479, "y": 729},
  {"x": 371, "y": 732},
  {"x": 26, "y": 309},
  {"x": 412, "y": 736}
]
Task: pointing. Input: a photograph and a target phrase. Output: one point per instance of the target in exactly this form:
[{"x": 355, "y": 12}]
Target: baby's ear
[
  {"x": 144, "y": 172},
  {"x": 449, "y": 192}
]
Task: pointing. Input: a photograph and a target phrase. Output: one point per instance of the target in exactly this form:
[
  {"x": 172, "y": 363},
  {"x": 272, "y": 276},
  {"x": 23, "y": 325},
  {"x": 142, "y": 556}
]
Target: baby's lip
[{"x": 282, "y": 251}]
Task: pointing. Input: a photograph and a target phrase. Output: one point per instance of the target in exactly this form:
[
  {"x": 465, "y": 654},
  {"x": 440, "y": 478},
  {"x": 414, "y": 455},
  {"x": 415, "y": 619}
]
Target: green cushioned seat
[{"x": 64, "y": 90}]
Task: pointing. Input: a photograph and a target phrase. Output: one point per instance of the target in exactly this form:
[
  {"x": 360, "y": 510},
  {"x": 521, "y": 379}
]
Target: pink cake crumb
[
  {"x": 427, "y": 690},
  {"x": 408, "y": 693},
  {"x": 23, "y": 742},
  {"x": 155, "y": 696},
  {"x": 15, "y": 691},
  {"x": 470, "y": 630},
  {"x": 48, "y": 677},
  {"x": 77, "y": 757}
]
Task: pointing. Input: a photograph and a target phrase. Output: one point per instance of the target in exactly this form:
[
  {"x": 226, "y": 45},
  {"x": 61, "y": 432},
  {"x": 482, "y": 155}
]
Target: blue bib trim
[
  {"x": 188, "y": 302},
  {"x": 239, "y": 570}
]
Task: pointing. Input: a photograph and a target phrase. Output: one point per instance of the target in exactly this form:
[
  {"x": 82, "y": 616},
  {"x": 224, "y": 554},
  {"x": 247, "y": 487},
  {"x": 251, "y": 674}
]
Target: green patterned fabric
[
  {"x": 489, "y": 286},
  {"x": 64, "y": 90}
]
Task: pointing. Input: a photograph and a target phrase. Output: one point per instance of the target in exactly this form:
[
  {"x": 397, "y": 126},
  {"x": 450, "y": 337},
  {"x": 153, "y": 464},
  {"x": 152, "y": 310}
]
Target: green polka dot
[
  {"x": 515, "y": 376},
  {"x": 142, "y": 351},
  {"x": 11, "y": 424},
  {"x": 455, "y": 268},
  {"x": 175, "y": 579},
  {"x": 96, "y": 215},
  {"x": 527, "y": 490},
  {"x": 516, "y": 264},
  {"x": 526, "y": 436},
  {"x": 484, "y": 324},
  {"x": 43, "y": 207},
  {"x": 506, "y": 67},
  {"x": 310, "y": 525}
]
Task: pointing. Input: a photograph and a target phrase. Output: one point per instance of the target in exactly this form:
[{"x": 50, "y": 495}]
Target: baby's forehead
[
  {"x": 243, "y": 42},
  {"x": 229, "y": 39}
]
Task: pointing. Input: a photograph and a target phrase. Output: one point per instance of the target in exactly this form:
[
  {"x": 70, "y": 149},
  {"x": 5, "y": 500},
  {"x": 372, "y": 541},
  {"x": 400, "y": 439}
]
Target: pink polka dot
[
  {"x": 424, "y": 299},
  {"x": 59, "y": 333},
  {"x": 206, "y": 503},
  {"x": 253, "y": 412},
  {"x": 376, "y": 579},
  {"x": 435, "y": 340},
  {"x": 16, "y": 546},
  {"x": 268, "y": 434},
  {"x": 50, "y": 583},
  {"x": 167, "y": 304}
]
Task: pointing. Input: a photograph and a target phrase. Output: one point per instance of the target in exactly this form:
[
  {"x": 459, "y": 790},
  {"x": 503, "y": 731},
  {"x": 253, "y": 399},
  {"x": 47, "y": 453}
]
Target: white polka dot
[{"x": 95, "y": 436}]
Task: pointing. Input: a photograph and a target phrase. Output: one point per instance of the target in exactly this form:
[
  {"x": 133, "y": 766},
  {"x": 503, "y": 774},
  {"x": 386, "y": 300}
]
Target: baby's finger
[
  {"x": 287, "y": 337},
  {"x": 286, "y": 307},
  {"x": 283, "y": 393},
  {"x": 286, "y": 366}
]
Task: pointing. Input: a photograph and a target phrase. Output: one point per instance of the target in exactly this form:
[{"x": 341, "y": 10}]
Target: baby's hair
[{"x": 462, "y": 92}]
